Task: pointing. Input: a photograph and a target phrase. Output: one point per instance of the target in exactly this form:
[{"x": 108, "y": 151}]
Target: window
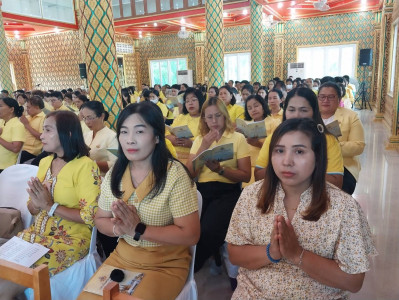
[
  {"x": 393, "y": 59},
  {"x": 164, "y": 71},
  {"x": 237, "y": 66},
  {"x": 336, "y": 60}
]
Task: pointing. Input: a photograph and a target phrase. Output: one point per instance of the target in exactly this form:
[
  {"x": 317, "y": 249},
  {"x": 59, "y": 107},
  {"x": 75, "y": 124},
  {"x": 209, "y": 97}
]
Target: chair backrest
[
  {"x": 38, "y": 279},
  {"x": 111, "y": 292},
  {"x": 13, "y": 185}
]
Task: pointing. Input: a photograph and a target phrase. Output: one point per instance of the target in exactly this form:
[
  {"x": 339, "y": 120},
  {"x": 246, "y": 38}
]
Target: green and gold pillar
[
  {"x": 97, "y": 26},
  {"x": 5, "y": 72},
  {"x": 257, "y": 36},
  {"x": 199, "y": 38},
  {"x": 214, "y": 42},
  {"x": 384, "y": 53},
  {"x": 279, "y": 50},
  {"x": 377, "y": 40}
]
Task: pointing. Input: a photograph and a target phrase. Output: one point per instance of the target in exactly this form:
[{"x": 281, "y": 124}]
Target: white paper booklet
[
  {"x": 253, "y": 129},
  {"x": 219, "y": 153},
  {"x": 180, "y": 131},
  {"x": 21, "y": 252}
]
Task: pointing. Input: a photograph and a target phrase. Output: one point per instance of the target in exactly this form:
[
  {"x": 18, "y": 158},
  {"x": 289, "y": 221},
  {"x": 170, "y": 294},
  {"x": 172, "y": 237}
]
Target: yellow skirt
[{"x": 165, "y": 269}]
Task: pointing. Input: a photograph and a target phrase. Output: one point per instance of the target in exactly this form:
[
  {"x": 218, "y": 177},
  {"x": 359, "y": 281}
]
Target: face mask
[
  {"x": 289, "y": 86},
  {"x": 315, "y": 88},
  {"x": 155, "y": 101}
]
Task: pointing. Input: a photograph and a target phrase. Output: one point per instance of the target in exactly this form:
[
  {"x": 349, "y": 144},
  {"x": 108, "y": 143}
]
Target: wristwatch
[
  {"x": 221, "y": 171},
  {"x": 140, "y": 228}
]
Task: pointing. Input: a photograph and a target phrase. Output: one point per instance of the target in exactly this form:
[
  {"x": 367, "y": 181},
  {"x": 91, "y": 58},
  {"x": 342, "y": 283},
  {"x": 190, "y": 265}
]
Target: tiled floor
[{"x": 378, "y": 194}]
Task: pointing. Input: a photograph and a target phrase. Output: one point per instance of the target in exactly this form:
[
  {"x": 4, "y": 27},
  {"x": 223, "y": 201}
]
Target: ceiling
[{"x": 235, "y": 14}]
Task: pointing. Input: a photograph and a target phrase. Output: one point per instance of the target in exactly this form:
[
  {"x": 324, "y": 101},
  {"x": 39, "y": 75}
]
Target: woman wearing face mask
[
  {"x": 302, "y": 103},
  {"x": 227, "y": 96},
  {"x": 190, "y": 116},
  {"x": 293, "y": 235},
  {"x": 12, "y": 132},
  {"x": 154, "y": 98}
]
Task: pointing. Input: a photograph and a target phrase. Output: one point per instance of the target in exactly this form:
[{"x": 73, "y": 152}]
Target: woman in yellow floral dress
[{"x": 63, "y": 197}]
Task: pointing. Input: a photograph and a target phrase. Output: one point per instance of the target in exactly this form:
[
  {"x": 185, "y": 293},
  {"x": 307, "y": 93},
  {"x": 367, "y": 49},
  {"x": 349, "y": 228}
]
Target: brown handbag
[{"x": 10, "y": 222}]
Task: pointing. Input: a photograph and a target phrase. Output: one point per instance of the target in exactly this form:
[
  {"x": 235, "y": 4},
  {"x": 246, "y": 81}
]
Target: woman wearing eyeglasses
[
  {"x": 193, "y": 100},
  {"x": 218, "y": 182},
  {"x": 352, "y": 139},
  {"x": 100, "y": 137}
]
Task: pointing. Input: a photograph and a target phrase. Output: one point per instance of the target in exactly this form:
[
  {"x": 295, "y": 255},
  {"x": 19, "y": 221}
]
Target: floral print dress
[{"x": 77, "y": 186}]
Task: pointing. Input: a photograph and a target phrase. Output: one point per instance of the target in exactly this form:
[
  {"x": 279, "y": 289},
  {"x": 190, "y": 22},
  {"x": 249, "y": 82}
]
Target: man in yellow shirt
[
  {"x": 33, "y": 123},
  {"x": 56, "y": 101}
]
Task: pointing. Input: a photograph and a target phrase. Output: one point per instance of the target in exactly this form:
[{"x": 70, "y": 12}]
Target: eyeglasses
[
  {"x": 326, "y": 97},
  {"x": 216, "y": 116},
  {"x": 89, "y": 118},
  {"x": 192, "y": 100}
]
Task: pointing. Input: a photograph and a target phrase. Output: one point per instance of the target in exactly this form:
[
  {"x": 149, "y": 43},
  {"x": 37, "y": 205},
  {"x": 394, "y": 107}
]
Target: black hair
[
  {"x": 23, "y": 96},
  {"x": 266, "y": 110},
  {"x": 346, "y": 77},
  {"x": 155, "y": 92},
  {"x": 185, "y": 85},
  {"x": 70, "y": 90},
  {"x": 39, "y": 93},
  {"x": 288, "y": 80},
  {"x": 215, "y": 88},
  {"x": 197, "y": 94},
  {"x": 233, "y": 99},
  {"x": 56, "y": 94},
  {"x": 245, "y": 81},
  {"x": 146, "y": 94},
  {"x": 64, "y": 91},
  {"x": 77, "y": 93},
  {"x": 97, "y": 107},
  {"x": 279, "y": 93},
  {"x": 83, "y": 98},
  {"x": 68, "y": 95},
  {"x": 5, "y": 92},
  {"x": 125, "y": 93},
  {"x": 175, "y": 86},
  {"x": 249, "y": 88},
  {"x": 276, "y": 79},
  {"x": 161, "y": 156},
  {"x": 282, "y": 84},
  {"x": 70, "y": 134},
  {"x": 326, "y": 79},
  {"x": 334, "y": 86},
  {"x": 257, "y": 83},
  {"x": 36, "y": 100},
  {"x": 12, "y": 103},
  {"x": 339, "y": 79}
]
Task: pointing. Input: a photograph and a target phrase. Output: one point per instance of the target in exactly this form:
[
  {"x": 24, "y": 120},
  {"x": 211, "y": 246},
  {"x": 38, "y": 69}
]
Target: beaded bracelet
[{"x": 269, "y": 256}]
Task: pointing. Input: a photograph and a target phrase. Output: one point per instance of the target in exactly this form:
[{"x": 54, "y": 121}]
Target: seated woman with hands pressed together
[
  {"x": 150, "y": 202},
  {"x": 293, "y": 235},
  {"x": 63, "y": 197}
]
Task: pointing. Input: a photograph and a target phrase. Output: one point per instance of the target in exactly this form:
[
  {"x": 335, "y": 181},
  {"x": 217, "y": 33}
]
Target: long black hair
[
  {"x": 161, "y": 156},
  {"x": 12, "y": 103},
  {"x": 266, "y": 110},
  {"x": 198, "y": 94}
]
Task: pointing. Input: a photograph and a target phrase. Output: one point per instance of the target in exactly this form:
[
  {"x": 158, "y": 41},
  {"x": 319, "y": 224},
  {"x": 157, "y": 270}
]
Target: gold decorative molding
[
  {"x": 199, "y": 64},
  {"x": 279, "y": 57}
]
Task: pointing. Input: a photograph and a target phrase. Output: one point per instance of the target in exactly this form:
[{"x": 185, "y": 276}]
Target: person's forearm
[
  {"x": 70, "y": 214},
  {"x": 10, "y": 146},
  {"x": 248, "y": 256},
  {"x": 352, "y": 148},
  {"x": 327, "y": 272},
  {"x": 103, "y": 165},
  {"x": 32, "y": 209},
  {"x": 237, "y": 175},
  {"x": 259, "y": 173},
  {"x": 105, "y": 226},
  {"x": 335, "y": 179}
]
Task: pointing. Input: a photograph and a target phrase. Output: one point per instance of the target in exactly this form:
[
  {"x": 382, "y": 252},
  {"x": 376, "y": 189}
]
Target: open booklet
[
  {"x": 219, "y": 153},
  {"x": 97, "y": 283},
  {"x": 21, "y": 252},
  {"x": 180, "y": 131},
  {"x": 113, "y": 151},
  {"x": 334, "y": 129},
  {"x": 253, "y": 129}
]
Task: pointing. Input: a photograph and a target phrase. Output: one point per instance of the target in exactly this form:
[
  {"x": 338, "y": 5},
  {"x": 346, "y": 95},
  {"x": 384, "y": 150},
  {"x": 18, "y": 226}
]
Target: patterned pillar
[
  {"x": 279, "y": 50},
  {"x": 383, "y": 66},
  {"x": 199, "y": 38},
  {"x": 257, "y": 36},
  {"x": 102, "y": 65},
  {"x": 215, "y": 42},
  {"x": 5, "y": 72},
  {"x": 376, "y": 47},
  {"x": 138, "y": 66}
]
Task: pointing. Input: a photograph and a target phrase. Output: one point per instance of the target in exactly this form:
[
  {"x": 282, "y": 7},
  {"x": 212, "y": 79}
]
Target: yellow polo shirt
[
  {"x": 335, "y": 163},
  {"x": 164, "y": 109},
  {"x": 241, "y": 150},
  {"x": 32, "y": 144},
  {"x": 171, "y": 148},
  {"x": 63, "y": 107},
  {"x": 13, "y": 131},
  {"x": 235, "y": 112}
]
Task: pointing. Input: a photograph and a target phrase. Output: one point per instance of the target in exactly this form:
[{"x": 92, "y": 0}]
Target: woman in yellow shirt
[
  {"x": 12, "y": 133},
  {"x": 235, "y": 111},
  {"x": 193, "y": 101},
  {"x": 218, "y": 182}
]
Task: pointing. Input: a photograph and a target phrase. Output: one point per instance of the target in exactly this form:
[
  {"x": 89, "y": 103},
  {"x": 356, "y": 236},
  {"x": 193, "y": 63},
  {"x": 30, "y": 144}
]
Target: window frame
[
  {"x": 237, "y": 54},
  {"x": 392, "y": 58},
  {"x": 168, "y": 59}
]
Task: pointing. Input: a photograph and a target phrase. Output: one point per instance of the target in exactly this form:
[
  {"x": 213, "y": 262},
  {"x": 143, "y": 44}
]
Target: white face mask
[
  {"x": 315, "y": 88},
  {"x": 155, "y": 101},
  {"x": 289, "y": 86}
]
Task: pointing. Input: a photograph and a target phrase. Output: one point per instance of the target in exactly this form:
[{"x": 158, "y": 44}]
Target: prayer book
[
  {"x": 253, "y": 129},
  {"x": 334, "y": 129},
  {"x": 219, "y": 153},
  {"x": 180, "y": 131},
  {"x": 113, "y": 151},
  {"x": 21, "y": 252},
  {"x": 98, "y": 282}
]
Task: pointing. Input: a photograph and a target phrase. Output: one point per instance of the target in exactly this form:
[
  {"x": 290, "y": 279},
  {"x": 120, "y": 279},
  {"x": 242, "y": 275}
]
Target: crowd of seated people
[{"x": 268, "y": 204}]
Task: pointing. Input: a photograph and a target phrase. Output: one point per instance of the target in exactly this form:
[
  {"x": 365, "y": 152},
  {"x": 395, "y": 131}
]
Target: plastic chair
[
  {"x": 189, "y": 291},
  {"x": 37, "y": 278},
  {"x": 13, "y": 185},
  {"x": 68, "y": 284}
]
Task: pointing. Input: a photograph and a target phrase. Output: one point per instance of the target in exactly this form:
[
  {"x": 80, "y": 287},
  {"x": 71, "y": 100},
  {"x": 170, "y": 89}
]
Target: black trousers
[
  {"x": 349, "y": 182},
  {"x": 25, "y": 155},
  {"x": 218, "y": 202}
]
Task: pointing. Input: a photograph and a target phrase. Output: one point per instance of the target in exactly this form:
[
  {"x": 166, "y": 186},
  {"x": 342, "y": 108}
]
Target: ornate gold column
[
  {"x": 279, "y": 50},
  {"x": 214, "y": 42},
  {"x": 5, "y": 72},
  {"x": 384, "y": 52},
  {"x": 377, "y": 40},
  {"x": 137, "y": 60},
  {"x": 257, "y": 37},
  {"x": 97, "y": 26},
  {"x": 199, "y": 38}
]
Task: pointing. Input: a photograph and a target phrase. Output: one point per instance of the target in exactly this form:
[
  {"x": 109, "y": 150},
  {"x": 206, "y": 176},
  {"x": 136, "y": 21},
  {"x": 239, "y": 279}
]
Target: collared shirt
[
  {"x": 13, "y": 131},
  {"x": 341, "y": 234},
  {"x": 63, "y": 107},
  {"x": 32, "y": 144},
  {"x": 236, "y": 111},
  {"x": 241, "y": 150}
]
